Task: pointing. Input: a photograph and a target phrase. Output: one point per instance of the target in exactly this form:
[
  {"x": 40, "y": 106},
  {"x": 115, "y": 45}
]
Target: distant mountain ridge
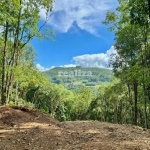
[{"x": 74, "y": 78}]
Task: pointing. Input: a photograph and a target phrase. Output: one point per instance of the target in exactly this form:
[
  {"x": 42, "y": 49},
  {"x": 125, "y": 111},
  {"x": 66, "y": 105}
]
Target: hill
[
  {"x": 28, "y": 129},
  {"x": 74, "y": 78}
]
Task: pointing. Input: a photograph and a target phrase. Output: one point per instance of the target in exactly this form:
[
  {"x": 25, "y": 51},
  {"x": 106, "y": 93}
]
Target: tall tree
[
  {"x": 131, "y": 26},
  {"x": 19, "y": 21}
]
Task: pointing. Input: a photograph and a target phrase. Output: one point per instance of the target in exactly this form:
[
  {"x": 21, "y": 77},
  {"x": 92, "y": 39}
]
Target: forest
[
  {"x": 124, "y": 100},
  {"x": 78, "y": 77}
]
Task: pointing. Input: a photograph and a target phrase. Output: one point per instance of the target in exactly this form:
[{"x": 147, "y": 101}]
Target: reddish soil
[{"x": 28, "y": 129}]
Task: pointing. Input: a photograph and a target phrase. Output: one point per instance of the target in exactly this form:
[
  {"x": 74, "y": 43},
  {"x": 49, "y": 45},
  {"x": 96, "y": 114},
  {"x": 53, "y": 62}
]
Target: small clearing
[{"x": 29, "y": 129}]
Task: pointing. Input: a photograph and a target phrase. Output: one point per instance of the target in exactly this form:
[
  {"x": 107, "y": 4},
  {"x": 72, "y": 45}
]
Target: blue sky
[{"x": 81, "y": 38}]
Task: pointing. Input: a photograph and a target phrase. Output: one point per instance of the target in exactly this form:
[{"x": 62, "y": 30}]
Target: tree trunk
[
  {"x": 135, "y": 85},
  {"x": 131, "y": 103},
  {"x": 145, "y": 105},
  {"x": 3, "y": 88},
  {"x": 16, "y": 97}
]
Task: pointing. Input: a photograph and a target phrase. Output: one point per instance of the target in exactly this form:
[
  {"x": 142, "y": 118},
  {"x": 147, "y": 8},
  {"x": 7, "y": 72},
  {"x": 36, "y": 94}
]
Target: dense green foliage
[
  {"x": 78, "y": 77},
  {"x": 132, "y": 62},
  {"x": 19, "y": 24}
]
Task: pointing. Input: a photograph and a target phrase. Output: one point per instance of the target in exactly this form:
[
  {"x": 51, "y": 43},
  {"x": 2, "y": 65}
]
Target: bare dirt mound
[
  {"x": 11, "y": 116},
  {"x": 27, "y": 129}
]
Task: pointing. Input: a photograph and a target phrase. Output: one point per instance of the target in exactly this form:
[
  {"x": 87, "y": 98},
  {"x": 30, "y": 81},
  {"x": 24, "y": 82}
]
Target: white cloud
[
  {"x": 95, "y": 60},
  {"x": 67, "y": 66},
  {"x": 87, "y": 14},
  {"x": 41, "y": 68},
  {"x": 100, "y": 60}
]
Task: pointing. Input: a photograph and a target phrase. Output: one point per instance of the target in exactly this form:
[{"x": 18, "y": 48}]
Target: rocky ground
[{"x": 27, "y": 129}]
